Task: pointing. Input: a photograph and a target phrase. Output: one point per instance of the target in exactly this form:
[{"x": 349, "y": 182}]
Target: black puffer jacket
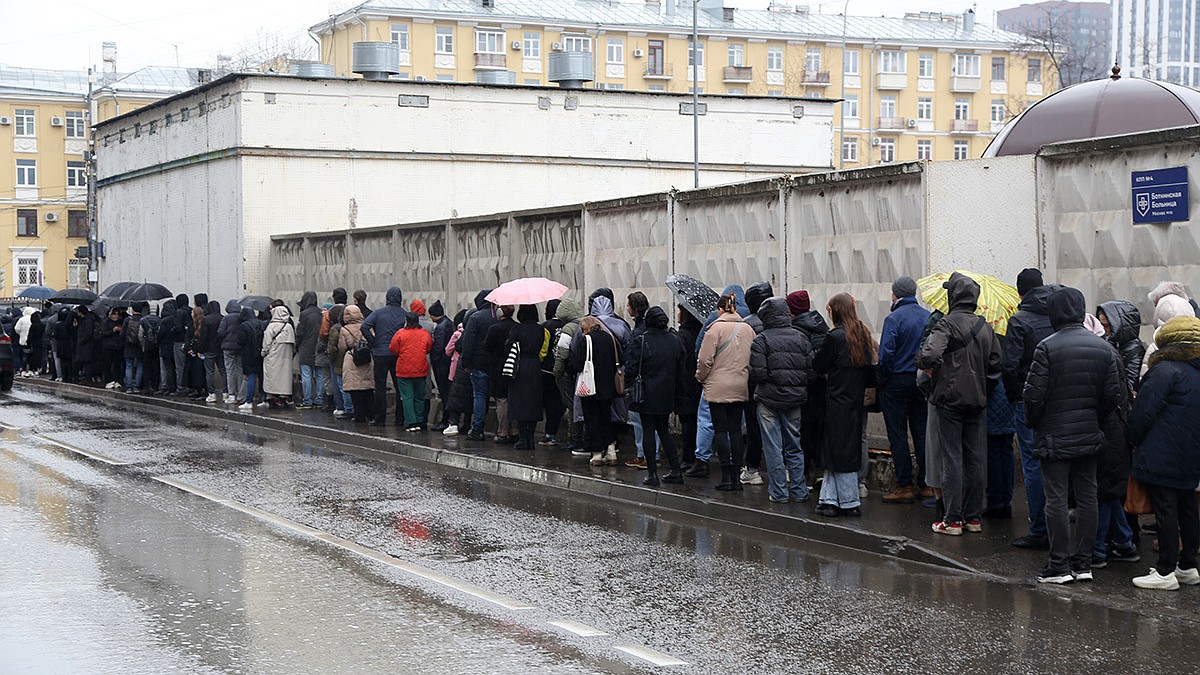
[
  {"x": 1163, "y": 422},
  {"x": 1029, "y": 326},
  {"x": 658, "y": 357},
  {"x": 1125, "y": 321},
  {"x": 1074, "y": 383},
  {"x": 781, "y": 359},
  {"x": 308, "y": 329},
  {"x": 962, "y": 363},
  {"x": 689, "y": 398},
  {"x": 813, "y": 325},
  {"x": 756, "y": 295}
]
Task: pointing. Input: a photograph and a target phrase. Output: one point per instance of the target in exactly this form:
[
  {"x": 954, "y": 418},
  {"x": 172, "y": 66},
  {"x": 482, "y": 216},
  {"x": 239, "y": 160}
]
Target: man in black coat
[
  {"x": 473, "y": 357},
  {"x": 1029, "y": 326},
  {"x": 657, "y": 362},
  {"x": 756, "y": 295},
  {"x": 781, "y": 366},
  {"x": 181, "y": 331},
  {"x": 308, "y": 329},
  {"x": 1074, "y": 383},
  {"x": 443, "y": 330}
]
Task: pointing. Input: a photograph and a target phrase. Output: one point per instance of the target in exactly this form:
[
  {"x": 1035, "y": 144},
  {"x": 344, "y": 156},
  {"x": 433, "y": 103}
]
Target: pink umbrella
[{"x": 527, "y": 291}]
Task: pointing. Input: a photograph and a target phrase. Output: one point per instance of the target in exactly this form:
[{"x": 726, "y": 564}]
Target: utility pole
[
  {"x": 695, "y": 97},
  {"x": 93, "y": 260}
]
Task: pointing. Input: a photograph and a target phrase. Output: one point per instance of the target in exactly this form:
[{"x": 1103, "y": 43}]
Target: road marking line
[
  {"x": 580, "y": 629},
  {"x": 9, "y": 427},
  {"x": 86, "y": 453},
  {"x": 646, "y": 654},
  {"x": 353, "y": 547}
]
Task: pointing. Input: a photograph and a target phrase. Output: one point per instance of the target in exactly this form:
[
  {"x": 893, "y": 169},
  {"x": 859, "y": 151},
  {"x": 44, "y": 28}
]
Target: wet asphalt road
[{"x": 201, "y": 549}]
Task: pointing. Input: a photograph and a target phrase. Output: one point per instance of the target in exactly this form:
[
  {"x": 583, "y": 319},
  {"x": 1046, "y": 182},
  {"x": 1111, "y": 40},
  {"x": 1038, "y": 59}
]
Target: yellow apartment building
[
  {"x": 45, "y": 126},
  {"x": 924, "y": 86}
]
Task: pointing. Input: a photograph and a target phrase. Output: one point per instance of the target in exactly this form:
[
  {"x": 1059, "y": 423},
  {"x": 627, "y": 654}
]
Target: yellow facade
[{"x": 771, "y": 66}]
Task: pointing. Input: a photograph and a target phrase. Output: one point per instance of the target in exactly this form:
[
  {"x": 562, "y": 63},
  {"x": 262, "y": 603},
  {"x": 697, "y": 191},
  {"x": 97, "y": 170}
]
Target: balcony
[
  {"x": 491, "y": 62},
  {"x": 815, "y": 78},
  {"x": 891, "y": 81},
  {"x": 964, "y": 126},
  {"x": 739, "y": 73},
  {"x": 659, "y": 71},
  {"x": 964, "y": 85},
  {"x": 890, "y": 123}
]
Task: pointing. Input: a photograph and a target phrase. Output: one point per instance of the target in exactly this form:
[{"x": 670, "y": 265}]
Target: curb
[{"x": 479, "y": 467}]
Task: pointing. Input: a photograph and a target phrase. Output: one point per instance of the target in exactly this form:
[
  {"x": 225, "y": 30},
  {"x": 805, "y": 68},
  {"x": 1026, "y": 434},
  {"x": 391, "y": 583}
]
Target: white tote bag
[{"x": 585, "y": 385}]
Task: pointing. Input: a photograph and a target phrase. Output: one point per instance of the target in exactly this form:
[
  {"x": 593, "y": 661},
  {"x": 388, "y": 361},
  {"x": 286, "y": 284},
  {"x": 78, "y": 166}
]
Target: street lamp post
[
  {"x": 842, "y": 121},
  {"x": 696, "y": 97}
]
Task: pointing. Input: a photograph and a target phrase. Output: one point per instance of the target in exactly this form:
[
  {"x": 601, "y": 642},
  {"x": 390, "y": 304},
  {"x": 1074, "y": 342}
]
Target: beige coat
[
  {"x": 354, "y": 378},
  {"x": 278, "y": 352},
  {"x": 725, "y": 376}
]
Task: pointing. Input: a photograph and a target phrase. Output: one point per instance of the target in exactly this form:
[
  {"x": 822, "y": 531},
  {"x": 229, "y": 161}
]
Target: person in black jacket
[
  {"x": 524, "y": 404},
  {"x": 781, "y": 366},
  {"x": 756, "y": 295},
  {"x": 210, "y": 347},
  {"x": 64, "y": 345},
  {"x": 657, "y": 359},
  {"x": 494, "y": 352},
  {"x": 552, "y": 402},
  {"x": 688, "y": 402},
  {"x": 1074, "y": 383},
  {"x": 1163, "y": 428},
  {"x": 250, "y": 337},
  {"x": 473, "y": 357},
  {"x": 87, "y": 343},
  {"x": 132, "y": 349},
  {"x": 1122, "y": 321},
  {"x": 636, "y": 306},
  {"x": 1029, "y": 326},
  {"x": 600, "y": 430},
  {"x": 114, "y": 348},
  {"x": 181, "y": 330},
  {"x": 812, "y": 413},
  {"x": 312, "y": 378},
  {"x": 166, "y": 348},
  {"x": 443, "y": 329}
]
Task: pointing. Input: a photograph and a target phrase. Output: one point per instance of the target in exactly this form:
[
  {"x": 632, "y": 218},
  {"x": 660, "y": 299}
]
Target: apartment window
[
  {"x": 850, "y": 105},
  {"x": 887, "y": 106},
  {"x": 960, "y": 149},
  {"x": 77, "y": 269},
  {"x": 891, "y": 62},
  {"x": 75, "y": 125},
  {"x": 887, "y": 150},
  {"x": 400, "y": 36},
  {"x": 924, "y": 108},
  {"x": 27, "y": 172},
  {"x": 444, "y": 40},
  {"x": 29, "y": 269},
  {"x": 77, "y": 223},
  {"x": 24, "y": 122},
  {"x": 775, "y": 93},
  {"x": 657, "y": 87},
  {"x": 616, "y": 50},
  {"x": 850, "y": 150},
  {"x": 966, "y": 65},
  {"x": 1035, "y": 70},
  {"x": 999, "y": 110},
  {"x": 962, "y": 109},
  {"x": 736, "y": 91},
  {"x": 577, "y": 43},
  {"x": 698, "y": 91},
  {"x": 850, "y": 62},
  {"x": 775, "y": 58},
  {"x": 925, "y": 65},
  {"x": 812, "y": 60},
  {"x": 999, "y": 65},
  {"x": 695, "y": 54},
  {"x": 27, "y": 223},
  {"x": 737, "y": 56},
  {"x": 533, "y": 45},
  {"x": 655, "y": 57},
  {"x": 489, "y": 42},
  {"x": 445, "y": 77},
  {"x": 533, "y": 82},
  {"x": 924, "y": 149},
  {"x": 76, "y": 174}
]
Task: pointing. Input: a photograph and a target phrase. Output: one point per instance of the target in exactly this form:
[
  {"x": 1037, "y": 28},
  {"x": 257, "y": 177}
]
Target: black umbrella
[
  {"x": 103, "y": 305},
  {"x": 74, "y": 296},
  {"x": 146, "y": 292},
  {"x": 695, "y": 296},
  {"x": 115, "y": 290},
  {"x": 258, "y": 303}
]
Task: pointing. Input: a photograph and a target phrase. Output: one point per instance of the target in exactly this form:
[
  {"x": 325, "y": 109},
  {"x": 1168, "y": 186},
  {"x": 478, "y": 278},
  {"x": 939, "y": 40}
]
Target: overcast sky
[{"x": 66, "y": 34}]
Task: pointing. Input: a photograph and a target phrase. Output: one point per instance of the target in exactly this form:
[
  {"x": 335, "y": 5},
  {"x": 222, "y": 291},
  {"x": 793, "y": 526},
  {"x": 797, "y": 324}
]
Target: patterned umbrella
[
  {"x": 527, "y": 291},
  {"x": 997, "y": 300},
  {"x": 694, "y": 295}
]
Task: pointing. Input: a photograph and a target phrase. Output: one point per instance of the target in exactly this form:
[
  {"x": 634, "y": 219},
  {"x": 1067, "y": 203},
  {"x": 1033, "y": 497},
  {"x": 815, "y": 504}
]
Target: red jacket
[{"x": 411, "y": 347}]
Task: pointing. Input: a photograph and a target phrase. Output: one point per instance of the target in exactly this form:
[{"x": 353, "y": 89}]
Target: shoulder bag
[
  {"x": 619, "y": 372},
  {"x": 637, "y": 395},
  {"x": 361, "y": 353},
  {"x": 512, "y": 364},
  {"x": 585, "y": 384}
]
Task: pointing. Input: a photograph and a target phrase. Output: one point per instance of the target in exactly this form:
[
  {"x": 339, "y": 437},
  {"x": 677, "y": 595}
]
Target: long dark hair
[{"x": 843, "y": 313}]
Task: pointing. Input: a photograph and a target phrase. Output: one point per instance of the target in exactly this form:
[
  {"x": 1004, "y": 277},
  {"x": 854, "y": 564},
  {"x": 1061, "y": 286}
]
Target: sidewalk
[{"x": 897, "y": 531}]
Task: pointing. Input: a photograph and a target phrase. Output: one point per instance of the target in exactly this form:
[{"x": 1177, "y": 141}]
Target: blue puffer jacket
[
  {"x": 379, "y": 328},
  {"x": 901, "y": 337},
  {"x": 1163, "y": 423}
]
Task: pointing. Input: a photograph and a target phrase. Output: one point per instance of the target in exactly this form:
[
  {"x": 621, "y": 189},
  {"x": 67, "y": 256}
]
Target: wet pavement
[{"x": 262, "y": 552}]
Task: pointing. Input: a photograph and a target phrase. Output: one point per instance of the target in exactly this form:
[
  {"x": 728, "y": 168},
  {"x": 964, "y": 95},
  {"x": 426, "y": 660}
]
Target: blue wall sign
[{"x": 1160, "y": 196}]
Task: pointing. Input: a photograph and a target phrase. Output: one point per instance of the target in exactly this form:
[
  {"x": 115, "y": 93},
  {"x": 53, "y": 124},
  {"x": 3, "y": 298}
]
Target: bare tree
[
  {"x": 268, "y": 52},
  {"x": 1074, "y": 56}
]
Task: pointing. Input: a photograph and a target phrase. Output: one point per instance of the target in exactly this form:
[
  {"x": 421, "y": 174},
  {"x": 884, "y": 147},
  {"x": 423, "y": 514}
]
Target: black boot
[
  {"x": 698, "y": 470},
  {"x": 651, "y": 478},
  {"x": 728, "y": 478},
  {"x": 676, "y": 474}
]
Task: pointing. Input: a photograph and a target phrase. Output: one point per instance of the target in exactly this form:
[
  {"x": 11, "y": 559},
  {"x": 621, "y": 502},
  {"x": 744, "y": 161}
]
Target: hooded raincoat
[{"x": 278, "y": 350}]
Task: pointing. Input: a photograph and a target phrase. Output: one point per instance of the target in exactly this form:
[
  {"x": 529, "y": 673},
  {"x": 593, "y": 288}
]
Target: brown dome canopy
[{"x": 1107, "y": 107}]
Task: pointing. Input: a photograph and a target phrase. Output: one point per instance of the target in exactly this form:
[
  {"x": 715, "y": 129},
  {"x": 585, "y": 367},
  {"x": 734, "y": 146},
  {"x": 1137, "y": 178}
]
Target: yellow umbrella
[{"x": 997, "y": 300}]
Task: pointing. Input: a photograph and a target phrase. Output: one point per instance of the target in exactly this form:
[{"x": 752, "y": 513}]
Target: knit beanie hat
[
  {"x": 797, "y": 302},
  {"x": 1171, "y": 306},
  {"x": 436, "y": 309},
  {"x": 904, "y": 287},
  {"x": 1029, "y": 279}
]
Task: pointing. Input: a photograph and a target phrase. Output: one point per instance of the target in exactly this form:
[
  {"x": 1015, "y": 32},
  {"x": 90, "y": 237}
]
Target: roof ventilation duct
[
  {"x": 376, "y": 60},
  {"x": 496, "y": 77},
  {"x": 571, "y": 69},
  {"x": 313, "y": 69}
]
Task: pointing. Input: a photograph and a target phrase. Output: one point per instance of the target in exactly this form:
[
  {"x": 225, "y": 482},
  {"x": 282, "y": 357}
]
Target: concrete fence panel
[{"x": 630, "y": 248}]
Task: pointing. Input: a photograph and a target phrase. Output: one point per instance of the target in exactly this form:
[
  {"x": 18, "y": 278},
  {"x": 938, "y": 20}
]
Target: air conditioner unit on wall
[
  {"x": 5, "y": 121},
  {"x": 516, "y": 45},
  {"x": 51, "y": 217},
  {"x": 556, "y": 46},
  {"x": 637, "y": 53},
  {"x": 875, "y": 141},
  {"x": 912, "y": 124},
  {"x": 56, "y": 121}
]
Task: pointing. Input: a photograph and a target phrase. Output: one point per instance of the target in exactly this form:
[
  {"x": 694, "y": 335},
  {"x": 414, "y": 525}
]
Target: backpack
[
  {"x": 361, "y": 352},
  {"x": 148, "y": 333},
  {"x": 131, "y": 330}
]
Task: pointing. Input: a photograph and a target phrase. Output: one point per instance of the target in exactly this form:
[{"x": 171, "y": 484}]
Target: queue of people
[{"x": 764, "y": 380}]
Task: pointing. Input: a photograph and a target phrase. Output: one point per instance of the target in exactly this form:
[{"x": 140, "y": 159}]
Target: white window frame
[
  {"x": 966, "y": 65},
  {"x": 1033, "y": 66},
  {"x": 76, "y": 124},
  {"x": 812, "y": 60},
  {"x": 735, "y": 91},
  {"x": 1003, "y": 62},
  {"x": 24, "y": 122},
  {"x": 77, "y": 269},
  {"x": 924, "y": 148},
  {"x": 850, "y": 104},
  {"x": 925, "y": 65},
  {"x": 962, "y": 149},
  {"x": 850, "y": 150},
  {"x": 490, "y": 41},
  {"x": 887, "y": 150},
  {"x": 27, "y": 264},
  {"x": 532, "y": 46},
  {"x": 400, "y": 36},
  {"x": 775, "y": 59},
  {"x": 925, "y": 108},
  {"x": 444, "y": 40},
  {"x": 26, "y": 173},
  {"x": 76, "y": 174},
  {"x": 999, "y": 111},
  {"x": 577, "y": 43},
  {"x": 893, "y": 61},
  {"x": 887, "y": 106},
  {"x": 736, "y": 55},
  {"x": 697, "y": 52},
  {"x": 850, "y": 61},
  {"x": 962, "y": 109},
  {"x": 615, "y": 50}
]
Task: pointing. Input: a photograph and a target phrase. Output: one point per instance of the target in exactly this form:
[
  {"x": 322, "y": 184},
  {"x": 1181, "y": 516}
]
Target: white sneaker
[
  {"x": 212, "y": 398},
  {"x": 106, "y": 386},
  {"x": 451, "y": 430},
  {"x": 246, "y": 406},
  {"x": 230, "y": 398},
  {"x": 339, "y": 413},
  {"x": 863, "y": 493},
  {"x": 750, "y": 477},
  {"x": 260, "y": 404},
  {"x": 597, "y": 459},
  {"x": 610, "y": 456},
  {"x": 1187, "y": 577},
  {"x": 1156, "y": 581}
]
